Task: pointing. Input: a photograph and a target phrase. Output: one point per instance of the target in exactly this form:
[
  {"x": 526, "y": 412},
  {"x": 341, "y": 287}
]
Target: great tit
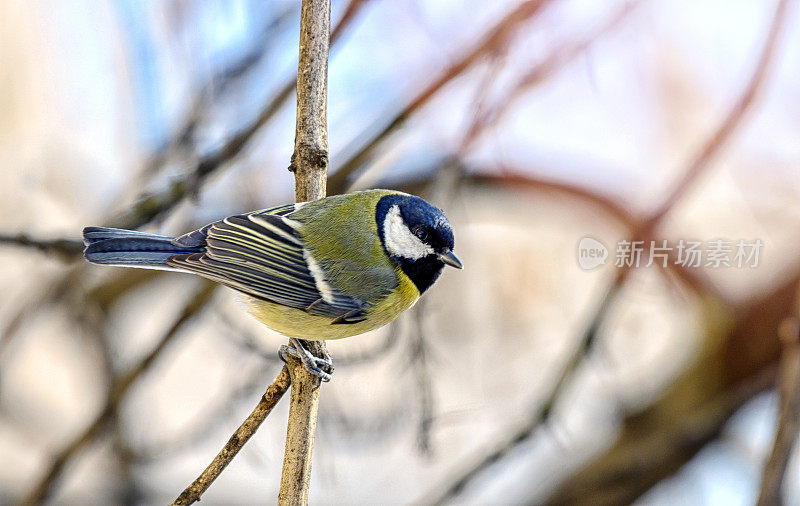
[{"x": 325, "y": 269}]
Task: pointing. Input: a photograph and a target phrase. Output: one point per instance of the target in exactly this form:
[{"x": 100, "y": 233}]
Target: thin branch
[
  {"x": 143, "y": 212},
  {"x": 710, "y": 148},
  {"x": 350, "y": 12},
  {"x": 560, "y": 57},
  {"x": 243, "y": 434},
  {"x": 740, "y": 347},
  {"x": 66, "y": 249},
  {"x": 700, "y": 163},
  {"x": 234, "y": 72},
  {"x": 310, "y": 166},
  {"x": 419, "y": 358},
  {"x": 733, "y": 119},
  {"x": 42, "y": 489},
  {"x": 788, "y": 386}
]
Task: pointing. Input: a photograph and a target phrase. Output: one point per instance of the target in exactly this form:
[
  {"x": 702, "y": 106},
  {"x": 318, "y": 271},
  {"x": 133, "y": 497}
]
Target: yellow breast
[{"x": 299, "y": 324}]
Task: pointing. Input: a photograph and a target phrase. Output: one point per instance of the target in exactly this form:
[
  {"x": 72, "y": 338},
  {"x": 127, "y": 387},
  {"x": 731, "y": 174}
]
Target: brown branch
[
  {"x": 65, "y": 249},
  {"x": 514, "y": 178},
  {"x": 788, "y": 385},
  {"x": 350, "y": 12},
  {"x": 557, "y": 59},
  {"x": 419, "y": 357},
  {"x": 732, "y": 120},
  {"x": 42, "y": 489},
  {"x": 475, "y": 466},
  {"x": 710, "y": 148},
  {"x": 310, "y": 157},
  {"x": 143, "y": 212},
  {"x": 268, "y": 401},
  {"x": 493, "y": 41},
  {"x": 310, "y": 166}
]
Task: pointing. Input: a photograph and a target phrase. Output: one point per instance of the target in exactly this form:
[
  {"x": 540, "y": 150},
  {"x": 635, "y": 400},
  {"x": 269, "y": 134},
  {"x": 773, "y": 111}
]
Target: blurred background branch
[
  {"x": 62, "y": 248},
  {"x": 525, "y": 378},
  {"x": 42, "y": 489},
  {"x": 643, "y": 231},
  {"x": 788, "y": 386}
]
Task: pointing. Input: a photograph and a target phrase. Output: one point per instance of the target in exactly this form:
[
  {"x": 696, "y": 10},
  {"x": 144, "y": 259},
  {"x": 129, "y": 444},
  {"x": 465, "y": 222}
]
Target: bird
[{"x": 326, "y": 269}]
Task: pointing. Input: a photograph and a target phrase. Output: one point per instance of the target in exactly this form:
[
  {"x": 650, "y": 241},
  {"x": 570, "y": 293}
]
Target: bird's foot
[{"x": 320, "y": 367}]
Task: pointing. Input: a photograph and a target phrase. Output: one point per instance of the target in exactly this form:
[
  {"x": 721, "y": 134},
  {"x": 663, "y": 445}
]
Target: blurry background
[{"x": 522, "y": 379}]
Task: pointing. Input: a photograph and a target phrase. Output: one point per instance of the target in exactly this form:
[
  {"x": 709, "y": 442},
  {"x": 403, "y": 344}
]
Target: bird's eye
[{"x": 420, "y": 233}]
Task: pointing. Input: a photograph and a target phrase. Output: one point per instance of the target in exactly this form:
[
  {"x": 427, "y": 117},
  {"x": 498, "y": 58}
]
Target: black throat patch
[{"x": 422, "y": 272}]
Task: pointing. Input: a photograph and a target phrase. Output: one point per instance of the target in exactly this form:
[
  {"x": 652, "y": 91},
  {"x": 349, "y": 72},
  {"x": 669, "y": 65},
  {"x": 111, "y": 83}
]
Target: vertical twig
[
  {"x": 310, "y": 165},
  {"x": 420, "y": 362},
  {"x": 310, "y": 158},
  {"x": 788, "y": 386}
]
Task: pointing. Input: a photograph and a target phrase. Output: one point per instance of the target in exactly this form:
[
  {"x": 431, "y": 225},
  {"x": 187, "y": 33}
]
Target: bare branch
[
  {"x": 65, "y": 249},
  {"x": 310, "y": 166},
  {"x": 710, "y": 148},
  {"x": 156, "y": 204},
  {"x": 214, "y": 417},
  {"x": 419, "y": 357},
  {"x": 740, "y": 348},
  {"x": 350, "y": 12},
  {"x": 245, "y": 431}
]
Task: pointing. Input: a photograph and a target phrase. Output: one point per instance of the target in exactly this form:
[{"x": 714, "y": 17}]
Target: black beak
[{"x": 450, "y": 259}]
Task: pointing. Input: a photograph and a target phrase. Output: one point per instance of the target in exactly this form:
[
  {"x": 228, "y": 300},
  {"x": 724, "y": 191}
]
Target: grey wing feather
[{"x": 262, "y": 254}]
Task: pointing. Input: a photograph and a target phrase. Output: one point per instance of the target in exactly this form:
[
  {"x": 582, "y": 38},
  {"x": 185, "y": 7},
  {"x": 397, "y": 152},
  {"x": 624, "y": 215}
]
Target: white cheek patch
[{"x": 399, "y": 240}]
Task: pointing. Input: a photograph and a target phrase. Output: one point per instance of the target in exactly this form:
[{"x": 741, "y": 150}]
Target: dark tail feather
[
  {"x": 95, "y": 234},
  {"x": 129, "y": 247}
]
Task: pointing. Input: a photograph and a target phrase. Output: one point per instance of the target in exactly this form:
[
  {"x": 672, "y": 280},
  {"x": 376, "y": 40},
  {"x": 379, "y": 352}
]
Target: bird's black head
[{"x": 417, "y": 236}]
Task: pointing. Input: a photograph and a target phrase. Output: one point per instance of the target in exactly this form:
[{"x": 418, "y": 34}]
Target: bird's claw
[{"x": 319, "y": 367}]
